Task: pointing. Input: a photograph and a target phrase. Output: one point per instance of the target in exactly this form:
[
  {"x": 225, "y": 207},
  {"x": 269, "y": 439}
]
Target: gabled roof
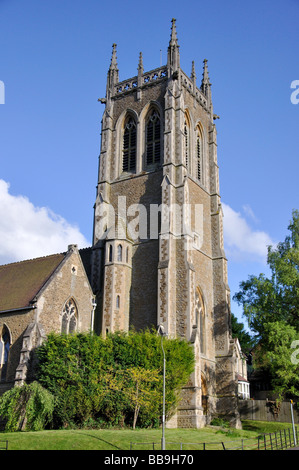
[
  {"x": 20, "y": 282},
  {"x": 241, "y": 379}
]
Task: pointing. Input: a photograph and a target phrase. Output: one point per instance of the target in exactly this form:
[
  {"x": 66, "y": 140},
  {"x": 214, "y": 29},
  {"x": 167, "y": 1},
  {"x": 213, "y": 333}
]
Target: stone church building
[{"x": 157, "y": 256}]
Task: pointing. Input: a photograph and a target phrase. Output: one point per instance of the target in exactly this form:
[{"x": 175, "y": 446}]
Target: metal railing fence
[
  {"x": 3, "y": 445},
  {"x": 278, "y": 440}
]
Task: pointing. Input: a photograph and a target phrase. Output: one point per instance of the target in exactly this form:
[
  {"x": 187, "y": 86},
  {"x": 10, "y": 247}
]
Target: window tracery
[{"x": 69, "y": 317}]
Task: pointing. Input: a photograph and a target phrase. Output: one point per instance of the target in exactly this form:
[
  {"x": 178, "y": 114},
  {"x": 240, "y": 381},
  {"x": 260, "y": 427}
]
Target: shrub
[
  {"x": 29, "y": 407},
  {"x": 114, "y": 381}
]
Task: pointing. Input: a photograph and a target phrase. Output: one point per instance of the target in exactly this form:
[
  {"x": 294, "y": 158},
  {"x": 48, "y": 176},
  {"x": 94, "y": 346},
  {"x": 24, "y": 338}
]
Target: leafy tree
[
  {"x": 284, "y": 264},
  {"x": 276, "y": 357},
  {"x": 28, "y": 407},
  {"x": 238, "y": 331},
  {"x": 276, "y": 298},
  {"x": 138, "y": 385},
  {"x": 271, "y": 306}
]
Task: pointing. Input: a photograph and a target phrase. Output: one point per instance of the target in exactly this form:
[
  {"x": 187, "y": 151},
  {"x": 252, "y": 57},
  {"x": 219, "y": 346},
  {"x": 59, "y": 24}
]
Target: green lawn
[{"x": 119, "y": 439}]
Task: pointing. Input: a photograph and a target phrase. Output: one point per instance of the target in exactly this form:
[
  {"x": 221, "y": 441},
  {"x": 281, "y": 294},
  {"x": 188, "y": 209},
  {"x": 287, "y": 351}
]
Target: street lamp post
[
  {"x": 293, "y": 424},
  {"x": 162, "y": 333}
]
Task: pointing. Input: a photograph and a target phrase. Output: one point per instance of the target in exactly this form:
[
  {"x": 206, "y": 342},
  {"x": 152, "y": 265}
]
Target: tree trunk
[
  {"x": 136, "y": 411},
  {"x": 137, "y": 407}
]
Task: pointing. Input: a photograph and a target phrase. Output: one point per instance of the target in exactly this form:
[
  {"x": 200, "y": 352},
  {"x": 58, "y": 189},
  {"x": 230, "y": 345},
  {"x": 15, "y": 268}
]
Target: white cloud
[
  {"x": 28, "y": 232},
  {"x": 249, "y": 212},
  {"x": 240, "y": 240}
]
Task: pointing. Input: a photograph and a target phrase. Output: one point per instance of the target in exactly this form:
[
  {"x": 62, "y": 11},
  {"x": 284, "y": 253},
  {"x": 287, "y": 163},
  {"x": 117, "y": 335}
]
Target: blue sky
[{"x": 54, "y": 58}]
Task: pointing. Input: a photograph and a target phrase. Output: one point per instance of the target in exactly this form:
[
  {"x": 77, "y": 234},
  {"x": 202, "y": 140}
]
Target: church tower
[{"x": 158, "y": 256}]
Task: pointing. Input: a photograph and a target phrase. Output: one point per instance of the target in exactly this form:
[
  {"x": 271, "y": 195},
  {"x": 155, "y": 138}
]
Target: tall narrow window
[
  {"x": 153, "y": 139},
  {"x": 119, "y": 253},
  {"x": 200, "y": 320},
  {"x": 69, "y": 317},
  {"x": 129, "y": 146},
  {"x": 198, "y": 157},
  {"x": 110, "y": 253},
  {"x": 118, "y": 302},
  {"x": 186, "y": 144},
  {"x": 4, "y": 350}
]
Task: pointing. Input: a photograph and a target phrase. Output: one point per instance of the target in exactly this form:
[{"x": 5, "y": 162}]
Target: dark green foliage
[
  {"x": 89, "y": 376},
  {"x": 238, "y": 331}
]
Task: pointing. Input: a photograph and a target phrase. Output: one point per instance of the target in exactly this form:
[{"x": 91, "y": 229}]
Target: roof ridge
[{"x": 34, "y": 259}]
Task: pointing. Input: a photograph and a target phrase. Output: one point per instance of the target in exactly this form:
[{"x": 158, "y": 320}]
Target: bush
[
  {"x": 29, "y": 407},
  {"x": 114, "y": 381}
]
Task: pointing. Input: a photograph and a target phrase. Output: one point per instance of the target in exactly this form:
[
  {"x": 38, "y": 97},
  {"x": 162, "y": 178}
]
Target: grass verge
[{"x": 120, "y": 439}]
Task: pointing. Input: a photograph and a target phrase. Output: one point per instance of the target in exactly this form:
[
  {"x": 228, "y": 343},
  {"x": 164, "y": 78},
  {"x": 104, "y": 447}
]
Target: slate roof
[{"x": 20, "y": 282}]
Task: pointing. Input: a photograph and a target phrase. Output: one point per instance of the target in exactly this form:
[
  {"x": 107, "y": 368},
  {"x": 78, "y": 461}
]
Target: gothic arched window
[
  {"x": 110, "y": 253},
  {"x": 198, "y": 156},
  {"x": 4, "y": 350},
  {"x": 200, "y": 320},
  {"x": 153, "y": 139},
  {"x": 186, "y": 143},
  {"x": 119, "y": 253},
  {"x": 129, "y": 145},
  {"x": 69, "y": 317}
]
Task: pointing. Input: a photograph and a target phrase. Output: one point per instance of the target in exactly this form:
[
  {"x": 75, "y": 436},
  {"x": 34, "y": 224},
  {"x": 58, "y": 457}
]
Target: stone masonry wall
[{"x": 69, "y": 282}]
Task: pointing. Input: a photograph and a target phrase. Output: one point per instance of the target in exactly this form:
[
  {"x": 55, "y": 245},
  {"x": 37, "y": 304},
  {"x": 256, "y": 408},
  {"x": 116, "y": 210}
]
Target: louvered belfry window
[
  {"x": 153, "y": 139},
  {"x": 198, "y": 155},
  {"x": 186, "y": 144},
  {"x": 129, "y": 146}
]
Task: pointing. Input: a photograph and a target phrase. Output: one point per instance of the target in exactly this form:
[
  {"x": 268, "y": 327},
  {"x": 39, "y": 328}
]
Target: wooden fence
[{"x": 266, "y": 410}]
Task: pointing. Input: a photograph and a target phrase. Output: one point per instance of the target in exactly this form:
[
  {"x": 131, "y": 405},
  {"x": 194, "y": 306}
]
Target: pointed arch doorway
[{"x": 204, "y": 395}]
